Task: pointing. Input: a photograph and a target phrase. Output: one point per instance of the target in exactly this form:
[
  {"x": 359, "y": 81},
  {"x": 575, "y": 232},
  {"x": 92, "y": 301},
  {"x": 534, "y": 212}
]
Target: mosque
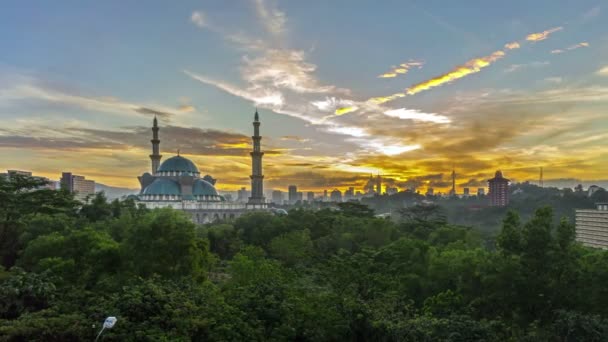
[{"x": 176, "y": 183}]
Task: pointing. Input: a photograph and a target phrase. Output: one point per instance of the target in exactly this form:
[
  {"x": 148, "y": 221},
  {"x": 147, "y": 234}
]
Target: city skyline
[{"x": 479, "y": 91}]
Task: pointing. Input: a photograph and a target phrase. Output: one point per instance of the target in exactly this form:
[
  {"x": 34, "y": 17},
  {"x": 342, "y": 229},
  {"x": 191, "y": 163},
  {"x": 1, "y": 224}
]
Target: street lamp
[{"x": 107, "y": 324}]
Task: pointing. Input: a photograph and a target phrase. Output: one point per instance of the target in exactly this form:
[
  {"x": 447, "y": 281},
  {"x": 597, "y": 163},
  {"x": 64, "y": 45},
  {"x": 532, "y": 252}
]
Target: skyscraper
[
  {"x": 336, "y": 196},
  {"x": 453, "y": 191},
  {"x": 498, "y": 190},
  {"x": 277, "y": 197},
  {"x": 292, "y": 195},
  {"x": 379, "y": 185},
  {"x": 257, "y": 178},
  {"x": 310, "y": 196},
  {"x": 155, "y": 157}
]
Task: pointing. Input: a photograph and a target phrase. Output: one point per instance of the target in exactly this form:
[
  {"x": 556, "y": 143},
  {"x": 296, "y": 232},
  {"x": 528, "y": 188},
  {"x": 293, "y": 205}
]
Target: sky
[{"x": 406, "y": 89}]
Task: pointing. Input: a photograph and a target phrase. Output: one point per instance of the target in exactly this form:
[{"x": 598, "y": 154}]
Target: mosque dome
[
  {"x": 203, "y": 188},
  {"x": 162, "y": 186},
  {"x": 179, "y": 165}
]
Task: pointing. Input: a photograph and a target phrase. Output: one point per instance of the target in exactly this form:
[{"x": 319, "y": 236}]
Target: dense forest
[{"x": 326, "y": 275}]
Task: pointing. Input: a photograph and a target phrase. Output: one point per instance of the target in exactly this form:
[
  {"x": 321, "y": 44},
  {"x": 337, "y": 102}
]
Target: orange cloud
[
  {"x": 535, "y": 37},
  {"x": 511, "y": 46},
  {"x": 403, "y": 68},
  {"x": 470, "y": 67}
]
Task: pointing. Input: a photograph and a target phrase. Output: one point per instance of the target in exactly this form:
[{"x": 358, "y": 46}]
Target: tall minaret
[
  {"x": 257, "y": 179},
  {"x": 155, "y": 156}
]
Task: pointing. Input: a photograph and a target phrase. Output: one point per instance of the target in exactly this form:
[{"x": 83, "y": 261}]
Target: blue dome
[
  {"x": 162, "y": 186},
  {"x": 203, "y": 188},
  {"x": 178, "y": 164}
]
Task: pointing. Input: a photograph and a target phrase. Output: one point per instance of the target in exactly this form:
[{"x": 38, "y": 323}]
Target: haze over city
[{"x": 345, "y": 89}]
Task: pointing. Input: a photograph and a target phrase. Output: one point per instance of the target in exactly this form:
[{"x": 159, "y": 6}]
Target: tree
[
  {"x": 292, "y": 248},
  {"x": 510, "y": 238},
  {"x": 163, "y": 242},
  {"x": 355, "y": 209}
]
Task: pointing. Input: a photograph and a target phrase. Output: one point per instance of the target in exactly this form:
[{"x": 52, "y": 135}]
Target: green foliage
[{"x": 326, "y": 275}]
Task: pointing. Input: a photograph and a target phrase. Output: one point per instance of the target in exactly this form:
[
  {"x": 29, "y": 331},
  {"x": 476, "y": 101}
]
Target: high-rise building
[
  {"x": 379, "y": 185},
  {"x": 325, "y": 196},
  {"x": 453, "y": 190},
  {"x": 257, "y": 178},
  {"x": 300, "y": 196},
  {"x": 78, "y": 185},
  {"x": 481, "y": 191},
  {"x": 430, "y": 191},
  {"x": 336, "y": 196},
  {"x": 292, "y": 194},
  {"x": 349, "y": 194},
  {"x": 592, "y": 226},
  {"x": 242, "y": 195},
  {"x": 391, "y": 190},
  {"x": 310, "y": 196},
  {"x": 498, "y": 190},
  {"x": 277, "y": 197},
  {"x": 50, "y": 185},
  {"x": 466, "y": 192}
]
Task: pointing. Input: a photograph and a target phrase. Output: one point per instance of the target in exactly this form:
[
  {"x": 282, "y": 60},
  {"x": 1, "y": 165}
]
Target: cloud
[
  {"x": 571, "y": 47},
  {"x": 592, "y": 13},
  {"x": 416, "y": 115},
  {"x": 294, "y": 138},
  {"x": 198, "y": 19},
  {"x": 603, "y": 71},
  {"x": 270, "y": 16},
  {"x": 189, "y": 140},
  {"x": 257, "y": 96},
  {"x": 470, "y": 67},
  {"x": 511, "y": 46},
  {"x": 516, "y": 67},
  {"x": 554, "y": 79},
  {"x": 32, "y": 89},
  {"x": 402, "y": 69},
  {"x": 536, "y": 37},
  {"x": 285, "y": 69}
]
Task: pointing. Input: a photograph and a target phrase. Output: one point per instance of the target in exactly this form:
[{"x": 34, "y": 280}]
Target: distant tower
[
  {"x": 540, "y": 181},
  {"x": 499, "y": 190},
  {"x": 379, "y": 184},
  {"x": 257, "y": 179},
  {"x": 155, "y": 156},
  {"x": 453, "y": 191}
]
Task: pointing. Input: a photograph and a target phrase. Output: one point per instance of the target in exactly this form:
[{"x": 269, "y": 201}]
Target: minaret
[
  {"x": 257, "y": 179},
  {"x": 155, "y": 156}
]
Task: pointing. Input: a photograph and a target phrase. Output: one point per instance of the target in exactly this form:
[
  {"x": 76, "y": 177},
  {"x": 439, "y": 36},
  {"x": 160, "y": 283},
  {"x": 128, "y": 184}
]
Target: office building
[
  {"x": 349, "y": 194},
  {"x": 292, "y": 194},
  {"x": 466, "y": 192},
  {"x": 310, "y": 196},
  {"x": 50, "y": 185},
  {"x": 78, "y": 185},
  {"x": 336, "y": 196},
  {"x": 592, "y": 226},
  {"x": 481, "y": 191},
  {"x": 277, "y": 197}
]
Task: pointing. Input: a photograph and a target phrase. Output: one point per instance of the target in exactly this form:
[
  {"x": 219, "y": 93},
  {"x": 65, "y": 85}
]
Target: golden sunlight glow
[
  {"x": 535, "y": 37},
  {"x": 470, "y": 67}
]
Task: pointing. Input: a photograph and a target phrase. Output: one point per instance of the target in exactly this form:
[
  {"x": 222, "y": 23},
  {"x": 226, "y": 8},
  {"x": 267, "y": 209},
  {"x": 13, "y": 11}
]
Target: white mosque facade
[{"x": 177, "y": 183}]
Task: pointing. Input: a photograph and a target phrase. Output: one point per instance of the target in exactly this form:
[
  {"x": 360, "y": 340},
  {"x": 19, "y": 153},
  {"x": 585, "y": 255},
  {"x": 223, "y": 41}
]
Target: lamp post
[{"x": 107, "y": 324}]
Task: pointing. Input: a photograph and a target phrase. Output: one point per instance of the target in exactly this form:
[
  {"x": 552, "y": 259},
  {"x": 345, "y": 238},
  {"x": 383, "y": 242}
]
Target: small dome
[
  {"x": 178, "y": 164},
  {"x": 203, "y": 188},
  {"x": 162, "y": 186}
]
